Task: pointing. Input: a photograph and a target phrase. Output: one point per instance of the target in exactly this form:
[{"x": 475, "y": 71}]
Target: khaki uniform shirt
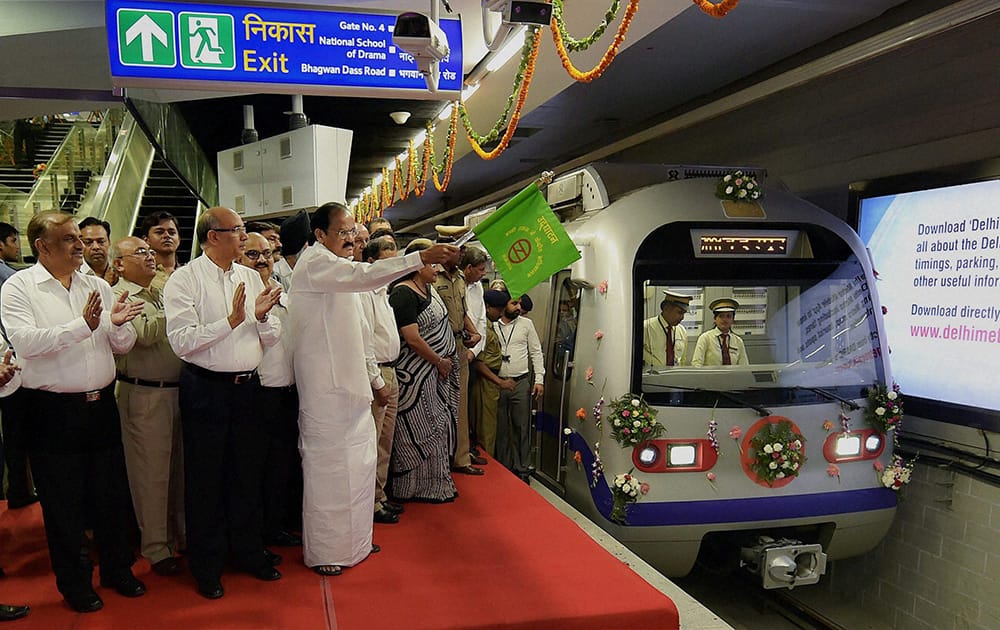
[
  {"x": 451, "y": 288},
  {"x": 151, "y": 358}
]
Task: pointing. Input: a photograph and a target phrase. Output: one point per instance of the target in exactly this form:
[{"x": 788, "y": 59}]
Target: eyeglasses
[
  {"x": 237, "y": 229},
  {"x": 351, "y": 233},
  {"x": 253, "y": 254},
  {"x": 142, "y": 252}
]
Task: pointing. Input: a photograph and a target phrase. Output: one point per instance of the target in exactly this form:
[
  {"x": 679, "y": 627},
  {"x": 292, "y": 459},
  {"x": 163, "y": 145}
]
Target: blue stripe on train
[{"x": 733, "y": 510}]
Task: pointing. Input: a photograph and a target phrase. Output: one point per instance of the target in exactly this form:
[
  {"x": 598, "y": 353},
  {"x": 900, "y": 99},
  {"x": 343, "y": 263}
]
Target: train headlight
[
  {"x": 848, "y": 445},
  {"x": 853, "y": 446},
  {"x": 648, "y": 455},
  {"x": 873, "y": 443},
  {"x": 681, "y": 454}
]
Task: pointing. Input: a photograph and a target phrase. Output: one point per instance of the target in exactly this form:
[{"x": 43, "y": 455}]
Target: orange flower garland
[
  {"x": 717, "y": 10},
  {"x": 522, "y": 94},
  {"x": 609, "y": 54},
  {"x": 449, "y": 158}
]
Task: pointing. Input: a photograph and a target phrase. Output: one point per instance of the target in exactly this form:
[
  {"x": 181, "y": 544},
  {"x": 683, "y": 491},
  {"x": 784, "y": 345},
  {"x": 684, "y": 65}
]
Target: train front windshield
[{"x": 804, "y": 330}]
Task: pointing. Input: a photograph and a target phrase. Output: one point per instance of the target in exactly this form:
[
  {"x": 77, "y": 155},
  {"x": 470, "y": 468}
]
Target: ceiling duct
[{"x": 249, "y": 132}]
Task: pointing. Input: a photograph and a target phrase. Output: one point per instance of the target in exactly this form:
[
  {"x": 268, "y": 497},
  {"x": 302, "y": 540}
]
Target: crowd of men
[{"x": 227, "y": 404}]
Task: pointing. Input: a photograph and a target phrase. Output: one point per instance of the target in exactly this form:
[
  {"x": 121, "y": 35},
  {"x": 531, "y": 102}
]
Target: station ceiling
[{"x": 675, "y": 58}]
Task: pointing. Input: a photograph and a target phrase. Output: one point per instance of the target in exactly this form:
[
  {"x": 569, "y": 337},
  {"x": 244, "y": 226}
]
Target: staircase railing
[{"x": 119, "y": 190}]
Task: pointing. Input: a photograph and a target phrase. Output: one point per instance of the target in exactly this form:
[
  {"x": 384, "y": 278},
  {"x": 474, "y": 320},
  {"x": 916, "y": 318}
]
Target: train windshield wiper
[
  {"x": 831, "y": 396},
  {"x": 761, "y": 411}
]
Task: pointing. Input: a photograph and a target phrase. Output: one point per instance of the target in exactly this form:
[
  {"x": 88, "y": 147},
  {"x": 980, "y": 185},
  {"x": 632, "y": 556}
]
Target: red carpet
[{"x": 499, "y": 557}]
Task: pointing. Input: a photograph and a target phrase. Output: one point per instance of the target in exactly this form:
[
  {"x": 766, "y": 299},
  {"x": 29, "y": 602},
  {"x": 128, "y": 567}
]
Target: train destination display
[
  {"x": 265, "y": 49},
  {"x": 936, "y": 252}
]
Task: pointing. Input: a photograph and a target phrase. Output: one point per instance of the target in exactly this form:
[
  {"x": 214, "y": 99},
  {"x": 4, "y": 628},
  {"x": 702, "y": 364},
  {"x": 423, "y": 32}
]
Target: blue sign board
[{"x": 217, "y": 47}]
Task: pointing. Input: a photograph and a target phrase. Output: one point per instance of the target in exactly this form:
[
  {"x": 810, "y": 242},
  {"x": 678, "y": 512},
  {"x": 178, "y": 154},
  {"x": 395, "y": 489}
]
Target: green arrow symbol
[{"x": 146, "y": 29}]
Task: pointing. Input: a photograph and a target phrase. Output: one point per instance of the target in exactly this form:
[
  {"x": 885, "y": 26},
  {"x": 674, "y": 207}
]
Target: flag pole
[{"x": 544, "y": 179}]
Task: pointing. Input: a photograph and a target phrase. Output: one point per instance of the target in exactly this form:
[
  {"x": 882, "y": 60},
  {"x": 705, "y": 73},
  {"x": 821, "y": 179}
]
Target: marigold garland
[
  {"x": 449, "y": 156},
  {"x": 576, "y": 45},
  {"x": 609, "y": 54},
  {"x": 717, "y": 10}
]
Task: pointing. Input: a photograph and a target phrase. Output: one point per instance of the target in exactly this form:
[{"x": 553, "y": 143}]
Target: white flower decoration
[
  {"x": 778, "y": 446},
  {"x": 635, "y": 402},
  {"x": 880, "y": 411},
  {"x": 773, "y": 465},
  {"x": 891, "y": 395},
  {"x": 637, "y": 424},
  {"x": 768, "y": 448}
]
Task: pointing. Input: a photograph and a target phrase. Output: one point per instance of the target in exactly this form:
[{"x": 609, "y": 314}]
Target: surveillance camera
[
  {"x": 521, "y": 11},
  {"x": 420, "y": 36}
]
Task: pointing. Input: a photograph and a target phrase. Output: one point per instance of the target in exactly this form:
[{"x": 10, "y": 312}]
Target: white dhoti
[{"x": 339, "y": 455}]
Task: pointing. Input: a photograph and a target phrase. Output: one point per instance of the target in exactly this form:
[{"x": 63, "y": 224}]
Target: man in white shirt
[
  {"x": 10, "y": 381},
  {"x": 521, "y": 355},
  {"x": 473, "y": 268},
  {"x": 384, "y": 339},
  {"x": 279, "y": 406},
  {"x": 218, "y": 324},
  {"x": 151, "y": 417},
  {"x": 65, "y": 327},
  {"x": 336, "y": 427}
]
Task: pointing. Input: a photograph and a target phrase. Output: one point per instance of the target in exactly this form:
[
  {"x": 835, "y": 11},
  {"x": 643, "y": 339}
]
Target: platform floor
[{"x": 501, "y": 556}]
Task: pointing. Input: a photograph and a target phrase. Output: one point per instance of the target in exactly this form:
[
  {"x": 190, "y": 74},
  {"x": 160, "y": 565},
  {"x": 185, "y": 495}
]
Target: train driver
[
  {"x": 664, "y": 340},
  {"x": 720, "y": 345}
]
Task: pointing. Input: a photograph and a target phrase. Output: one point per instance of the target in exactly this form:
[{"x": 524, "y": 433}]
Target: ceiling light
[
  {"x": 445, "y": 112},
  {"x": 513, "y": 44},
  {"x": 399, "y": 118}
]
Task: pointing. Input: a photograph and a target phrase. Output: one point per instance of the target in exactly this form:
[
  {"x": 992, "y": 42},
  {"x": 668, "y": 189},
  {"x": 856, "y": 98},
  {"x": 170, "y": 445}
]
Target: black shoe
[
  {"x": 265, "y": 573},
  {"x": 479, "y": 461},
  {"x": 13, "y": 613},
  {"x": 395, "y": 508},
  {"x": 210, "y": 589},
  {"x": 167, "y": 566},
  {"x": 85, "y": 601},
  {"x": 386, "y": 517},
  {"x": 272, "y": 558},
  {"x": 16, "y": 503},
  {"x": 126, "y": 584},
  {"x": 285, "y": 539}
]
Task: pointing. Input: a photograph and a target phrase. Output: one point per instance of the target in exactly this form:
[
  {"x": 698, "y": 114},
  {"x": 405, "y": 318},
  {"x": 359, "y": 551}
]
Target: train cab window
[{"x": 802, "y": 328}]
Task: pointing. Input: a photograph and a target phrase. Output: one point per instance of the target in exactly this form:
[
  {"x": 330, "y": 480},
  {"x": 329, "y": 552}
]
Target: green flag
[{"x": 526, "y": 241}]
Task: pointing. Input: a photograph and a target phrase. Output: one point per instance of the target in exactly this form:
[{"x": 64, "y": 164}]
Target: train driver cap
[
  {"x": 683, "y": 301},
  {"x": 724, "y": 305}
]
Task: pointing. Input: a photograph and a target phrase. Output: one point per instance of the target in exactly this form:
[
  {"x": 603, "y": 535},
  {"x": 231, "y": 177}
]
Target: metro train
[{"x": 811, "y": 321}]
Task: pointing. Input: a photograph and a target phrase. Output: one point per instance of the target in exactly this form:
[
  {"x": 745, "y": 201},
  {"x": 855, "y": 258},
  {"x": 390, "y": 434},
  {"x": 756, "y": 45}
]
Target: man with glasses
[
  {"x": 279, "y": 405},
  {"x": 360, "y": 240},
  {"x": 218, "y": 324},
  {"x": 148, "y": 378},
  {"x": 336, "y": 426}
]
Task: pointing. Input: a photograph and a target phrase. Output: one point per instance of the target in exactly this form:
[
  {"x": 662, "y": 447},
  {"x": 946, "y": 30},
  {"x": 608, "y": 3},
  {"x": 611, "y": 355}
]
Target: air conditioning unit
[{"x": 302, "y": 168}]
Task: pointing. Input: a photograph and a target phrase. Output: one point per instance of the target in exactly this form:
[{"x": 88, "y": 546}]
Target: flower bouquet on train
[
  {"x": 777, "y": 452},
  {"x": 897, "y": 475},
  {"x": 885, "y": 408},
  {"x": 625, "y": 489},
  {"x": 738, "y": 186},
  {"x": 633, "y": 421}
]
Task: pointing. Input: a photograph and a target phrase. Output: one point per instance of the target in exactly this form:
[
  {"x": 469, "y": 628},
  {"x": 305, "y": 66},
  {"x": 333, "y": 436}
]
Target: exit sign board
[{"x": 259, "y": 49}]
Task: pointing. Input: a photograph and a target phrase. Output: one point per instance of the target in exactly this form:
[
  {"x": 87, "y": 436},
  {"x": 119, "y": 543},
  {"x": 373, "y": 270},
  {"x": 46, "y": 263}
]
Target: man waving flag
[{"x": 526, "y": 241}]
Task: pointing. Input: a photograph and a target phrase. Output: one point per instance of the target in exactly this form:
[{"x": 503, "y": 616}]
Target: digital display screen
[
  {"x": 937, "y": 255},
  {"x": 746, "y": 245}
]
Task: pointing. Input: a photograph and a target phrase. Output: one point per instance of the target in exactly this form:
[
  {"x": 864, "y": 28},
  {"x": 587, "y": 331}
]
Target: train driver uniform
[
  {"x": 721, "y": 346},
  {"x": 664, "y": 339}
]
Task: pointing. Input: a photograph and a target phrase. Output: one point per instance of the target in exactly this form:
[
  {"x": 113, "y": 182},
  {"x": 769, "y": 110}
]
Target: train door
[{"x": 558, "y": 347}]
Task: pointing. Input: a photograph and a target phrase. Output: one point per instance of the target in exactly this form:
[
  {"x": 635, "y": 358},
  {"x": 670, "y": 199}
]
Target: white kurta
[{"x": 336, "y": 428}]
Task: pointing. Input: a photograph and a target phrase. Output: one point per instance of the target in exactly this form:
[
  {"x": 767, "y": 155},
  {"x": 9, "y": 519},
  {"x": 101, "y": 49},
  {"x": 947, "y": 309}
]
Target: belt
[
  {"x": 515, "y": 378},
  {"x": 236, "y": 378},
  {"x": 387, "y": 364},
  {"x": 145, "y": 383},
  {"x": 85, "y": 397}
]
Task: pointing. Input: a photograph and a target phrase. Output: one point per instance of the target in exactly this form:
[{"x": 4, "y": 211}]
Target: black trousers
[
  {"x": 15, "y": 446},
  {"x": 224, "y": 447},
  {"x": 282, "y": 486},
  {"x": 79, "y": 468}
]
